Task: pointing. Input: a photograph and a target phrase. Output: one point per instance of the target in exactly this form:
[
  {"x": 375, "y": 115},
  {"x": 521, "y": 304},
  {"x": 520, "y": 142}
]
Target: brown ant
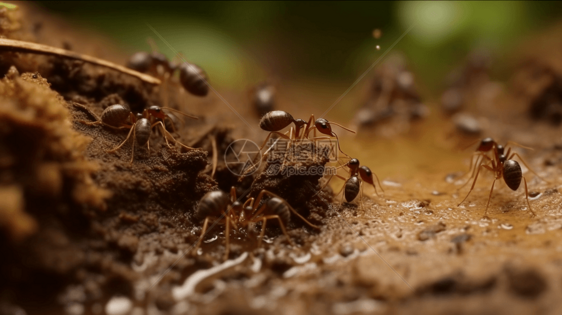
[
  {"x": 503, "y": 166},
  {"x": 324, "y": 127},
  {"x": 120, "y": 117},
  {"x": 192, "y": 78},
  {"x": 230, "y": 211},
  {"x": 489, "y": 145},
  {"x": 354, "y": 184},
  {"x": 153, "y": 63}
]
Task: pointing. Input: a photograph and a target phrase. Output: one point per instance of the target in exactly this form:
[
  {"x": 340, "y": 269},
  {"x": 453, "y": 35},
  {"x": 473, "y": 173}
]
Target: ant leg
[
  {"x": 122, "y": 143},
  {"x": 329, "y": 179},
  {"x": 489, "y": 198},
  {"x": 248, "y": 203},
  {"x": 265, "y": 192},
  {"x": 377, "y": 178},
  {"x": 148, "y": 145},
  {"x": 280, "y": 224},
  {"x": 338, "y": 143},
  {"x": 342, "y": 127},
  {"x": 167, "y": 134},
  {"x": 528, "y": 167},
  {"x": 215, "y": 155},
  {"x": 269, "y": 136},
  {"x": 518, "y": 145},
  {"x": 133, "y": 148},
  {"x": 361, "y": 197},
  {"x": 162, "y": 130},
  {"x": 288, "y": 149},
  {"x": 308, "y": 127},
  {"x": 473, "y": 183},
  {"x": 227, "y": 232},
  {"x": 254, "y": 164},
  {"x": 471, "y": 170},
  {"x": 233, "y": 194},
  {"x": 203, "y": 231},
  {"x": 262, "y": 232},
  {"x": 476, "y": 168},
  {"x": 527, "y": 196}
]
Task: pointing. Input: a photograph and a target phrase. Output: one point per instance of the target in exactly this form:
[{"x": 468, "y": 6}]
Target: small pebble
[{"x": 118, "y": 306}]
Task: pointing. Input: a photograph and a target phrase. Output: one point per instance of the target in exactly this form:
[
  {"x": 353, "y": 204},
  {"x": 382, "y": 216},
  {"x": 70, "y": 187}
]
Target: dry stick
[{"x": 27, "y": 47}]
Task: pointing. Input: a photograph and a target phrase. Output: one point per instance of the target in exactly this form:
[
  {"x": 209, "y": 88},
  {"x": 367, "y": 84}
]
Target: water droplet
[
  {"x": 378, "y": 47},
  {"x": 118, "y": 306},
  {"x": 506, "y": 226},
  {"x": 377, "y": 33},
  {"x": 214, "y": 238}
]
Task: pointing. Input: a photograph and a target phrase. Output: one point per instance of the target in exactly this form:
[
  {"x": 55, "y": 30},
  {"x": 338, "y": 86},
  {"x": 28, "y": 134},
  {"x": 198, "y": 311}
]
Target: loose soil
[{"x": 86, "y": 232}]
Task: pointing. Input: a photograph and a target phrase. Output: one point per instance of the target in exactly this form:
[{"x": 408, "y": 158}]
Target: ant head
[
  {"x": 486, "y": 145},
  {"x": 323, "y": 126},
  {"x": 353, "y": 164},
  {"x": 366, "y": 174},
  {"x": 156, "y": 111}
]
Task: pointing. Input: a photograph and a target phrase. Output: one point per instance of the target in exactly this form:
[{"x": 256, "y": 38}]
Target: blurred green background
[{"x": 241, "y": 43}]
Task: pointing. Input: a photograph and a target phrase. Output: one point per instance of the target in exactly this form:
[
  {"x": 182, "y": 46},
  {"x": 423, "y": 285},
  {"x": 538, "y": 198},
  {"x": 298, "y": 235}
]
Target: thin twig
[{"x": 27, "y": 47}]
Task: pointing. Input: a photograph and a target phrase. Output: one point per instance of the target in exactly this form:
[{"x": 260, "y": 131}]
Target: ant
[
  {"x": 192, "y": 78},
  {"x": 503, "y": 166},
  {"x": 325, "y": 127},
  {"x": 487, "y": 145},
  {"x": 354, "y": 184},
  {"x": 232, "y": 212},
  {"x": 120, "y": 117},
  {"x": 277, "y": 120}
]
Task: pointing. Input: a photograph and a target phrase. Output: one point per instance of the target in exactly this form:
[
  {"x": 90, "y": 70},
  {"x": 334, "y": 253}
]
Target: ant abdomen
[
  {"x": 276, "y": 120},
  {"x": 142, "y": 131},
  {"x": 212, "y": 204},
  {"x": 115, "y": 115},
  {"x": 193, "y": 79},
  {"x": 512, "y": 174},
  {"x": 276, "y": 206},
  {"x": 140, "y": 61},
  {"x": 351, "y": 190}
]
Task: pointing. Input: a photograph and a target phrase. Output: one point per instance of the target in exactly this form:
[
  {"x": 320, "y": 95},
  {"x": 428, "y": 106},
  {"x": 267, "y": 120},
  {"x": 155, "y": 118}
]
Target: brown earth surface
[{"x": 86, "y": 232}]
